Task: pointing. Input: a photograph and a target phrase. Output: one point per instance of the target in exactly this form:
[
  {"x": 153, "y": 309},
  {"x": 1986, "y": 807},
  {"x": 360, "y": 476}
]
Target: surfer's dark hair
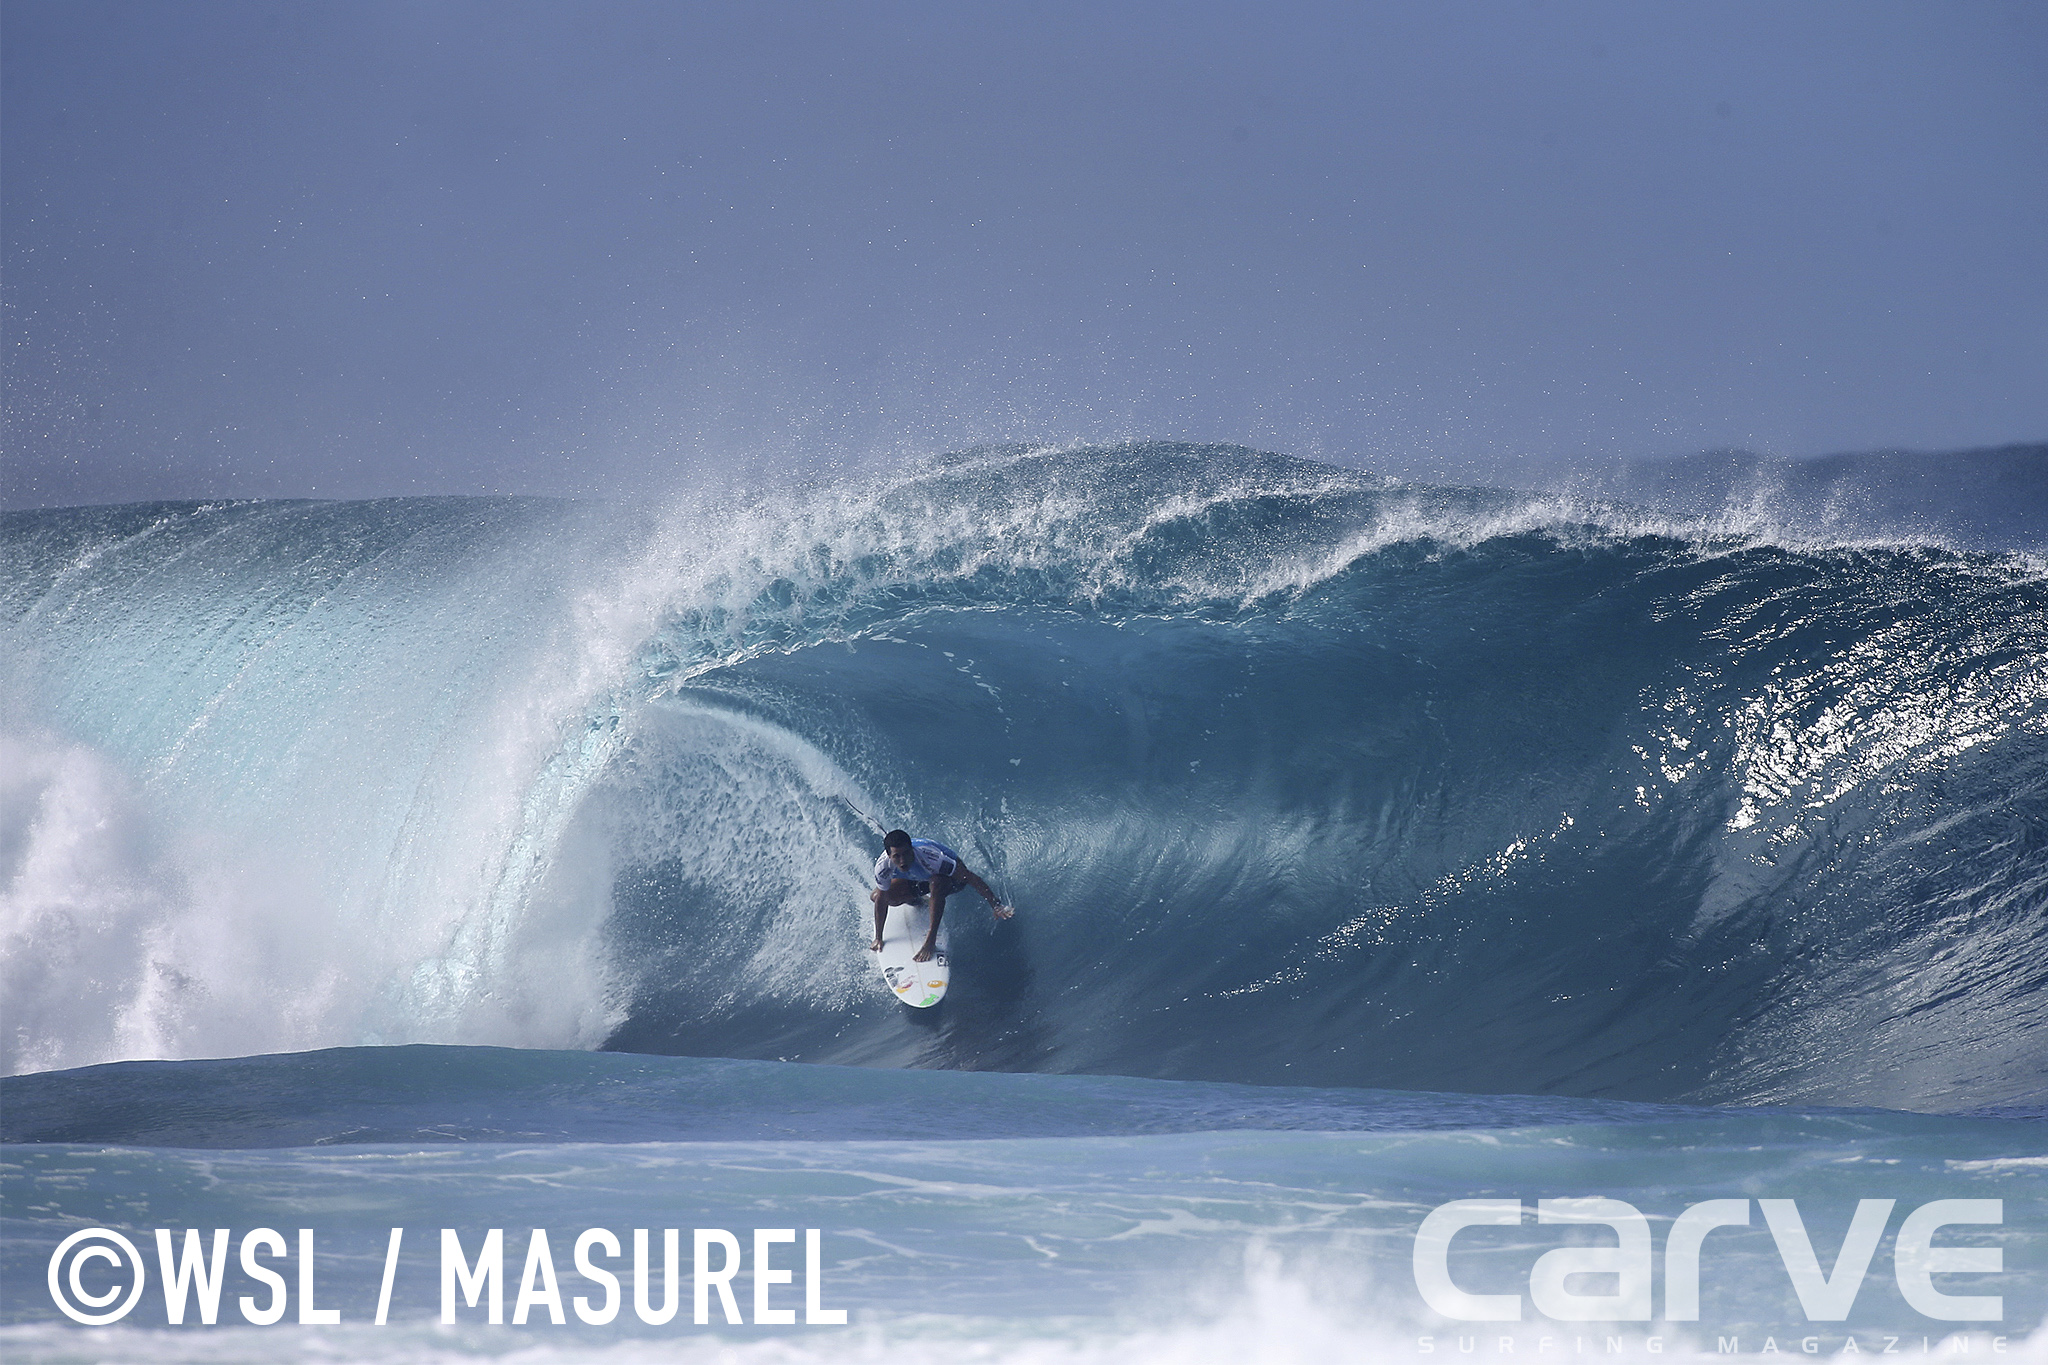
[{"x": 896, "y": 838}]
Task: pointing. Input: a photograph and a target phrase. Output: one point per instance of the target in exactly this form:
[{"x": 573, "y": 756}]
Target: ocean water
[{"x": 1376, "y": 846}]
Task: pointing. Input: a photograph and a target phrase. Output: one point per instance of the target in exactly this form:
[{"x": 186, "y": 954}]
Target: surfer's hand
[
  {"x": 875, "y": 947},
  {"x": 1002, "y": 911}
]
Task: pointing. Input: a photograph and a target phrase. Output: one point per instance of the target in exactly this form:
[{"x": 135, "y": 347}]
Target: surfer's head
[{"x": 896, "y": 844}]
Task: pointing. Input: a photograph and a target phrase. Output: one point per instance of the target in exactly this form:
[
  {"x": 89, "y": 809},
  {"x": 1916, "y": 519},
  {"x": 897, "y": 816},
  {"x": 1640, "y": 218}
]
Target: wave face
[{"x": 1296, "y": 775}]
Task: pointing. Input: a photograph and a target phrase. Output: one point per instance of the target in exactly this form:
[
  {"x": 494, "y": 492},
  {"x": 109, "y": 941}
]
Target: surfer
[{"x": 909, "y": 868}]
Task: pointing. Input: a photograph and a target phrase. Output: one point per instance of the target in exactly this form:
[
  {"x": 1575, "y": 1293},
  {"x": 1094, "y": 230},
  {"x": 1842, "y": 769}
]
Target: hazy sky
[{"x": 349, "y": 249}]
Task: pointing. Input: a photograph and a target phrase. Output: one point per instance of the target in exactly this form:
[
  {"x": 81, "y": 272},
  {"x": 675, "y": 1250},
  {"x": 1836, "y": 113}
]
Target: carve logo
[{"x": 1630, "y": 1264}]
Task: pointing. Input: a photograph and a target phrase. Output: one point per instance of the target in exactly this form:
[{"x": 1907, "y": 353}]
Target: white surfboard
[{"x": 917, "y": 984}]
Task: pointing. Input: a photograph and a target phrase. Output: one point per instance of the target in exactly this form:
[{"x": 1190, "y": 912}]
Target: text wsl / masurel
[{"x": 473, "y": 1277}]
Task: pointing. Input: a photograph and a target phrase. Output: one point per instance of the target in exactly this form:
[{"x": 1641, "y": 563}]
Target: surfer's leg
[{"x": 942, "y": 886}]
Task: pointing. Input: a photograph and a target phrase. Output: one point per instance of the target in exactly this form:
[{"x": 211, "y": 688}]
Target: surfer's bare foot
[{"x": 924, "y": 954}]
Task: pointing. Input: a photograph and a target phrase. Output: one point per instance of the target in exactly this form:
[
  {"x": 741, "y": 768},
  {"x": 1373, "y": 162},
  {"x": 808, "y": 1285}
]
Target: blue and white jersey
[{"x": 928, "y": 858}]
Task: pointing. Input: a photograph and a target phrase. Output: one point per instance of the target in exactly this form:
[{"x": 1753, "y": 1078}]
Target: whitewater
[{"x": 480, "y": 862}]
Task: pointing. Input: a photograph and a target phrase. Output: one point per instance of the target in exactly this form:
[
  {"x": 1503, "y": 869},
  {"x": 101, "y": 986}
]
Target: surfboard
[{"x": 917, "y": 984}]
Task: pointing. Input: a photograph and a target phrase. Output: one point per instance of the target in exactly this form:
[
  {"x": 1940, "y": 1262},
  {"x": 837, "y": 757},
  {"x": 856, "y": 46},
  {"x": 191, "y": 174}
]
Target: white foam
[
  {"x": 87, "y": 897},
  {"x": 1273, "y": 1320}
]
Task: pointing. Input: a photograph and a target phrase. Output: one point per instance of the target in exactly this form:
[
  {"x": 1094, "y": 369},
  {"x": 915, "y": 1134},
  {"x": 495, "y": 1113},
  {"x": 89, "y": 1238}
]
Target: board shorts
[{"x": 923, "y": 889}]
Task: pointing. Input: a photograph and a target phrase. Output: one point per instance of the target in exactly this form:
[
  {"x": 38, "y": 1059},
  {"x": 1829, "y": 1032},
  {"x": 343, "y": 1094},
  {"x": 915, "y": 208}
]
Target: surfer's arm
[
  {"x": 881, "y": 901},
  {"x": 1001, "y": 911}
]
